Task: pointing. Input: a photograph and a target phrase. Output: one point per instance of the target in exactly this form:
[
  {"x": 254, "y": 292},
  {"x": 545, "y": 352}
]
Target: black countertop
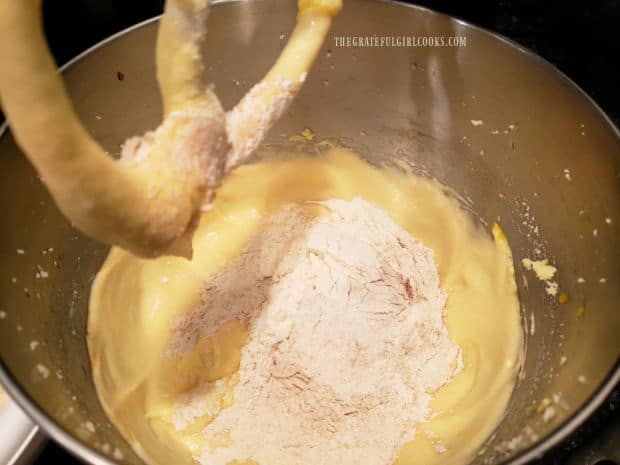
[{"x": 580, "y": 38}]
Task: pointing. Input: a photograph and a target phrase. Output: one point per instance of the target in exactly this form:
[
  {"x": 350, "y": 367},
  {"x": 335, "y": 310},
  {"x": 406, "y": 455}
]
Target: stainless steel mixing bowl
[{"x": 546, "y": 160}]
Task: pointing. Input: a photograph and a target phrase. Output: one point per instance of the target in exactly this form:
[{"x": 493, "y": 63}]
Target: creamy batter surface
[{"x": 178, "y": 348}]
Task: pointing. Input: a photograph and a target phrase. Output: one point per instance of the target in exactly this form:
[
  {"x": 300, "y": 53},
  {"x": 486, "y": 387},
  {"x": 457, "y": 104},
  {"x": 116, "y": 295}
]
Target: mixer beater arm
[{"x": 150, "y": 201}]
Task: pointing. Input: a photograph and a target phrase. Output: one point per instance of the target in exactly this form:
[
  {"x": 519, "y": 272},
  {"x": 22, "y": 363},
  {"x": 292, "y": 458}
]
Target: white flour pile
[{"x": 347, "y": 339}]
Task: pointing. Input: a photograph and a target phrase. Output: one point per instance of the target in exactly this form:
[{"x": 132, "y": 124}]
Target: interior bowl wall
[{"x": 544, "y": 161}]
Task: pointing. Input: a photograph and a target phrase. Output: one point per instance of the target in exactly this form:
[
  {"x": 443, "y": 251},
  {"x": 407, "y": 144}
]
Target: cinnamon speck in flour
[{"x": 347, "y": 340}]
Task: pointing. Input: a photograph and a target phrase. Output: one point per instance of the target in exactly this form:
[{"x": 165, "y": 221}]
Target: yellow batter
[
  {"x": 148, "y": 203},
  {"x": 134, "y": 301}
]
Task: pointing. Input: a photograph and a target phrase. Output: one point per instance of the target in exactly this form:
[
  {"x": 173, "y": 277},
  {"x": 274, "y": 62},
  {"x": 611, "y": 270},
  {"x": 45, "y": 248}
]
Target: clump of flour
[{"x": 346, "y": 343}]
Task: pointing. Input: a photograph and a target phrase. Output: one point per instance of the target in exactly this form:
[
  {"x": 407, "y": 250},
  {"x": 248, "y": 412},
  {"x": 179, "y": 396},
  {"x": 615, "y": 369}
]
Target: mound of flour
[{"x": 347, "y": 340}]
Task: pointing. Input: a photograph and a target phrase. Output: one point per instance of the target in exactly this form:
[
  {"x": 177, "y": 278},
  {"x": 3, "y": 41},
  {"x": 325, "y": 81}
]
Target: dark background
[{"x": 581, "y": 38}]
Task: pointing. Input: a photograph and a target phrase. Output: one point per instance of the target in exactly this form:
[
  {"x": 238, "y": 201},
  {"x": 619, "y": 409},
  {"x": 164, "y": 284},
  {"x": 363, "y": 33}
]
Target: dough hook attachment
[{"x": 149, "y": 202}]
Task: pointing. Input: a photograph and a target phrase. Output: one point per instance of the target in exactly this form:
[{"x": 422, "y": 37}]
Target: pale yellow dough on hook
[{"x": 150, "y": 202}]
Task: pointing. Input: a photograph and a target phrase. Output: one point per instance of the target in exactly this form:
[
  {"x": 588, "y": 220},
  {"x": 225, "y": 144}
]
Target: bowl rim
[
  {"x": 22, "y": 439},
  {"x": 535, "y": 451}
]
